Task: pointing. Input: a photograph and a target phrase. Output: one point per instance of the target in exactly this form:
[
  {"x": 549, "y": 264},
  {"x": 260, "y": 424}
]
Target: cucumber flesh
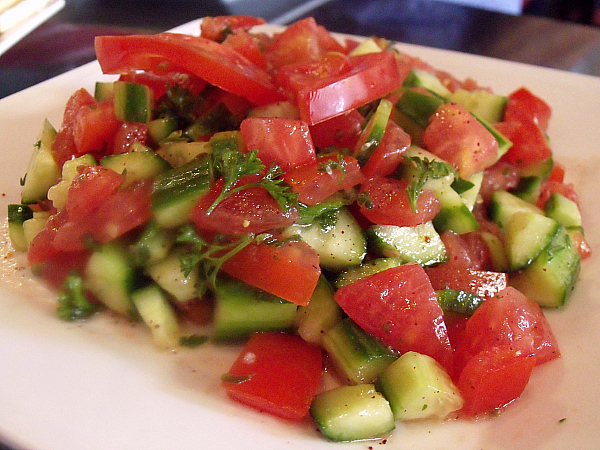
[
  {"x": 355, "y": 273},
  {"x": 564, "y": 210},
  {"x": 167, "y": 273},
  {"x": 43, "y": 171},
  {"x": 17, "y": 215},
  {"x": 503, "y": 204},
  {"x": 417, "y": 387},
  {"x": 350, "y": 413},
  {"x": 526, "y": 234},
  {"x": 320, "y": 315},
  {"x": 373, "y": 133},
  {"x": 138, "y": 164},
  {"x": 158, "y": 314}
]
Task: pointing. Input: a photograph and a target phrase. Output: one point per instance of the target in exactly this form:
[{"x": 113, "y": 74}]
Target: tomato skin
[
  {"x": 276, "y": 268},
  {"x": 251, "y": 210},
  {"x": 284, "y": 373},
  {"x": 314, "y": 182},
  {"x": 399, "y": 307},
  {"x": 456, "y": 136},
  {"x": 213, "y": 27},
  {"x": 508, "y": 318},
  {"x": 63, "y": 146},
  {"x": 389, "y": 153},
  {"x": 478, "y": 282},
  {"x": 370, "y": 77},
  {"x": 523, "y": 105},
  {"x": 389, "y": 203},
  {"x": 170, "y": 52},
  {"x": 493, "y": 378},
  {"x": 285, "y": 142}
]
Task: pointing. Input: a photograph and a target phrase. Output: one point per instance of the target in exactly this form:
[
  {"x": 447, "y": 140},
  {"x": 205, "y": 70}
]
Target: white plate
[{"x": 102, "y": 385}]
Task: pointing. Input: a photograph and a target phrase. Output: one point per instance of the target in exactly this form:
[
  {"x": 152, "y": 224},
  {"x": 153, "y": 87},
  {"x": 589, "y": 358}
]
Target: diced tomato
[
  {"x": 302, "y": 41},
  {"x": 290, "y": 270},
  {"x": 95, "y": 128},
  {"x": 276, "y": 373},
  {"x": 285, "y": 142},
  {"x": 466, "y": 251},
  {"x": 523, "y": 105},
  {"x": 493, "y": 378},
  {"x": 127, "y": 134},
  {"x": 371, "y": 76},
  {"x": 399, "y": 307},
  {"x": 63, "y": 146},
  {"x": 478, "y": 282},
  {"x": 384, "y": 201},
  {"x": 41, "y": 248},
  {"x": 389, "y": 153},
  {"x": 508, "y": 318},
  {"x": 216, "y": 28},
  {"x": 251, "y": 210},
  {"x": 92, "y": 186},
  {"x": 530, "y": 145},
  {"x": 170, "y": 52},
  {"x": 501, "y": 176},
  {"x": 316, "y": 181},
  {"x": 55, "y": 270},
  {"x": 245, "y": 44},
  {"x": 549, "y": 187},
  {"x": 341, "y": 131},
  {"x": 456, "y": 136},
  {"x": 557, "y": 173}
]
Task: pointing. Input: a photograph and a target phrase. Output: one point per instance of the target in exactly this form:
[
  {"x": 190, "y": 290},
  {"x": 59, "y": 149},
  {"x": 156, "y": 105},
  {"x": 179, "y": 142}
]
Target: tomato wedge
[
  {"x": 276, "y": 373},
  {"x": 171, "y": 52},
  {"x": 400, "y": 308}
]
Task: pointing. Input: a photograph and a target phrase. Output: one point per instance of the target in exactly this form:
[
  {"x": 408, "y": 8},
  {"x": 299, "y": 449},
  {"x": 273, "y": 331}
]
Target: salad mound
[{"x": 333, "y": 204}]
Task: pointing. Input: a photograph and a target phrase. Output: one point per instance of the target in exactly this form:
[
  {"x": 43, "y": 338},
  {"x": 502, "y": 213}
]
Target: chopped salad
[{"x": 333, "y": 204}]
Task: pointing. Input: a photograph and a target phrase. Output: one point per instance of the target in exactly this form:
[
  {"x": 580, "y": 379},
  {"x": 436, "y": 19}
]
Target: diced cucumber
[
  {"x": 564, "y": 210},
  {"x": 168, "y": 274},
  {"x": 469, "y": 196},
  {"x": 109, "y": 276},
  {"x": 419, "y": 106},
  {"x": 178, "y": 153},
  {"x": 241, "y": 310},
  {"x": 497, "y": 251},
  {"x": 153, "y": 244},
  {"x": 133, "y": 101},
  {"x": 460, "y": 302},
  {"x": 417, "y": 387},
  {"x": 541, "y": 169},
  {"x": 17, "y": 214},
  {"x": 320, "y": 315},
  {"x": 156, "y": 312},
  {"x": 551, "y": 277},
  {"x": 339, "y": 246},
  {"x": 481, "y": 103},
  {"x": 31, "y": 227},
  {"x": 349, "y": 413},
  {"x": 58, "y": 192},
  {"x": 420, "y": 244},
  {"x": 177, "y": 191},
  {"x": 454, "y": 214},
  {"x": 503, "y": 204},
  {"x": 161, "y": 128},
  {"x": 526, "y": 234},
  {"x": 104, "y": 90},
  {"x": 43, "y": 171},
  {"x": 420, "y": 77},
  {"x": 373, "y": 132},
  {"x": 138, "y": 164},
  {"x": 528, "y": 189},
  {"x": 357, "y": 356},
  {"x": 365, "y": 47},
  {"x": 355, "y": 273}
]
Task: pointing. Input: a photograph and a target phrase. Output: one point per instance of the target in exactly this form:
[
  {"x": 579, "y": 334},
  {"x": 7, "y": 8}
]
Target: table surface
[{"x": 68, "y": 36}]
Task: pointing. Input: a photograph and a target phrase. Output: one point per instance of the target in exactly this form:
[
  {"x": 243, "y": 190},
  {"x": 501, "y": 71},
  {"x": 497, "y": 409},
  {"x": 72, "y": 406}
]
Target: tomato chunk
[
  {"x": 276, "y": 373},
  {"x": 95, "y": 128},
  {"x": 289, "y": 271},
  {"x": 399, "y": 307},
  {"x": 478, "y": 282},
  {"x": 216, "y": 28}
]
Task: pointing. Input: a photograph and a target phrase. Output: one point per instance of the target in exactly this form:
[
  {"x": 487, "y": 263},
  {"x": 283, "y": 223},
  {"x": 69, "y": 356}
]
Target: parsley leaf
[{"x": 425, "y": 169}]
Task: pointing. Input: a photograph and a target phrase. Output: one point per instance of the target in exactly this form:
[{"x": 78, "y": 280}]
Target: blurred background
[{"x": 563, "y": 34}]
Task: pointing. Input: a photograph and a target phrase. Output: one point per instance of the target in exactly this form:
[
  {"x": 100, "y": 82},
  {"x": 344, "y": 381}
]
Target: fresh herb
[
  {"x": 193, "y": 341},
  {"x": 210, "y": 256},
  {"x": 461, "y": 185},
  {"x": 425, "y": 169},
  {"x": 72, "y": 302},
  {"x": 22, "y": 180},
  {"x": 365, "y": 200},
  {"x": 334, "y": 164},
  {"x": 232, "y": 165}
]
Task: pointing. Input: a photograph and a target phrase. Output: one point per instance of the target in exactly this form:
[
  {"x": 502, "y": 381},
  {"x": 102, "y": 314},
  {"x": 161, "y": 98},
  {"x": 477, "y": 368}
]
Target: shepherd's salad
[{"x": 333, "y": 204}]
